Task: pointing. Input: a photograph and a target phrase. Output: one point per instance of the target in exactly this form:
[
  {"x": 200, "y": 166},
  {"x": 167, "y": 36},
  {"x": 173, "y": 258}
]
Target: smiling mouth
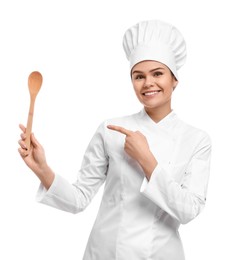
[{"x": 151, "y": 93}]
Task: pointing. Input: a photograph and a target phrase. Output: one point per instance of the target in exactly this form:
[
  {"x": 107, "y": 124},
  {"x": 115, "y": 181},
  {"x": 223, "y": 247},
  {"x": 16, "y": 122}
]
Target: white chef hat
[{"x": 155, "y": 40}]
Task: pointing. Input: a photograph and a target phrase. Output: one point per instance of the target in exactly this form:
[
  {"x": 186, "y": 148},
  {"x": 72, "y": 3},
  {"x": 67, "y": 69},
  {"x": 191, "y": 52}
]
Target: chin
[{"x": 151, "y": 106}]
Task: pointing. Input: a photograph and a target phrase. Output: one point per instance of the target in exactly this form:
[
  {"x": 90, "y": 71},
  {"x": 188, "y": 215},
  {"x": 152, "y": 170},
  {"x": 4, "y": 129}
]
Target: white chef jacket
[{"x": 138, "y": 219}]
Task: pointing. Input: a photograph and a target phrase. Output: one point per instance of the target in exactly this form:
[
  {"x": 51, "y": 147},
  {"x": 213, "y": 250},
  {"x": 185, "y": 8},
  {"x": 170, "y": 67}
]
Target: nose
[{"x": 148, "y": 82}]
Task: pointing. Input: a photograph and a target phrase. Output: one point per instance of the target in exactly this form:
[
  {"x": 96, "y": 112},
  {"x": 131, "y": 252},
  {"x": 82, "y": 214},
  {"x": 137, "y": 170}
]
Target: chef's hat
[{"x": 155, "y": 40}]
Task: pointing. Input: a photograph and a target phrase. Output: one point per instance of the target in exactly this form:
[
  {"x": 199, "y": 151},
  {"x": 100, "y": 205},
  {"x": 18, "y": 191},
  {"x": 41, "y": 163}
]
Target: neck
[{"x": 157, "y": 114}]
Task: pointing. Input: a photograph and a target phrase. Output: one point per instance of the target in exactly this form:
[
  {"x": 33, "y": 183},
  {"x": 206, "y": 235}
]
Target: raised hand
[
  {"x": 137, "y": 147},
  {"x": 35, "y": 158}
]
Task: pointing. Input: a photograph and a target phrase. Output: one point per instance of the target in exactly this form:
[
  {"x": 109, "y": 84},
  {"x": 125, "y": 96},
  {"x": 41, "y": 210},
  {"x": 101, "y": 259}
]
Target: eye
[
  {"x": 138, "y": 77},
  {"x": 157, "y": 73}
]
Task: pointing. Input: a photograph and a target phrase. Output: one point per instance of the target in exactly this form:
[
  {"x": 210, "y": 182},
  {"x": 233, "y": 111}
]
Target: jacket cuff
[{"x": 43, "y": 193}]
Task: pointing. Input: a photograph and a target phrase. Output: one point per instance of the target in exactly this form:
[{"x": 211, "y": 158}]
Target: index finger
[
  {"x": 22, "y": 127},
  {"x": 119, "y": 129}
]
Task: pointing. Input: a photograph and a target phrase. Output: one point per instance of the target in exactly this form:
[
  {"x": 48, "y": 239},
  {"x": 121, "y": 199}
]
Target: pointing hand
[{"x": 137, "y": 147}]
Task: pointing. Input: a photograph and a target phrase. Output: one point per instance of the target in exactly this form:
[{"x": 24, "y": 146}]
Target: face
[{"x": 153, "y": 83}]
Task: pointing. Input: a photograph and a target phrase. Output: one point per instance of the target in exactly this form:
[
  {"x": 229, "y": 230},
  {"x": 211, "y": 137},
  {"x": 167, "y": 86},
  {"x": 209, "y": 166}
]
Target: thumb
[{"x": 34, "y": 141}]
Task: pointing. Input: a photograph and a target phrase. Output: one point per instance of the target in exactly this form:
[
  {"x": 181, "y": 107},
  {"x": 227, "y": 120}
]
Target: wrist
[
  {"x": 42, "y": 170},
  {"x": 46, "y": 176},
  {"x": 148, "y": 164}
]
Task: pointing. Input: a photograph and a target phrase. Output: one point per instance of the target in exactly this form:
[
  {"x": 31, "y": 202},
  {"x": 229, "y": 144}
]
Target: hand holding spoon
[{"x": 34, "y": 85}]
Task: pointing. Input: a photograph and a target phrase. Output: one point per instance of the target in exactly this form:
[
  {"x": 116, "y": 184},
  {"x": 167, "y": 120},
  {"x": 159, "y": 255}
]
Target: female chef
[{"x": 155, "y": 166}]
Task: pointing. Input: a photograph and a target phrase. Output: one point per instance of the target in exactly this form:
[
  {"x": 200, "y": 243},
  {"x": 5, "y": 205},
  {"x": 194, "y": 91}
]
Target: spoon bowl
[{"x": 34, "y": 84}]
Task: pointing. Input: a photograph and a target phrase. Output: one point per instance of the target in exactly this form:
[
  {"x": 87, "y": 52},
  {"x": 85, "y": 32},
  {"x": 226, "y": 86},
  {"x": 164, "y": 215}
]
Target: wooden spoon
[{"x": 34, "y": 85}]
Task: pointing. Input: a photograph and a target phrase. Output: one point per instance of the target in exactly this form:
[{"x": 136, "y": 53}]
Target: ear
[{"x": 175, "y": 83}]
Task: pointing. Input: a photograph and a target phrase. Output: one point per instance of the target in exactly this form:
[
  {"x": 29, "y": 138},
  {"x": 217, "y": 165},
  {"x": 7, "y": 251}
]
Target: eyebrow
[{"x": 138, "y": 71}]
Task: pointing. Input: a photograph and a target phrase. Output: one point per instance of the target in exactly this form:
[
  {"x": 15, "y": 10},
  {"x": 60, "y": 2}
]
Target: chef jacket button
[{"x": 182, "y": 185}]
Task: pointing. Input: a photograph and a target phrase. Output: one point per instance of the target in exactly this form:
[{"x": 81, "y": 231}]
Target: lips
[{"x": 151, "y": 93}]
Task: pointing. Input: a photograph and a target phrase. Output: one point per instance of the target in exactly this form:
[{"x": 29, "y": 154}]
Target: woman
[{"x": 155, "y": 166}]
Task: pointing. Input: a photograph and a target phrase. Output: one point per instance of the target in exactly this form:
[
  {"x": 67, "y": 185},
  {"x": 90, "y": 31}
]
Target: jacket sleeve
[
  {"x": 75, "y": 197},
  {"x": 182, "y": 200}
]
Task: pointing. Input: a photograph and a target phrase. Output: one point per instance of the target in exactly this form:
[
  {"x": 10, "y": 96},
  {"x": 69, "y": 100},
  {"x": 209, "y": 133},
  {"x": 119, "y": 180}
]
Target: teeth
[{"x": 151, "y": 93}]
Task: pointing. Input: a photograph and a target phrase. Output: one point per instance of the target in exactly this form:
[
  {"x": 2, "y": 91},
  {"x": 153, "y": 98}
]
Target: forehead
[{"x": 148, "y": 65}]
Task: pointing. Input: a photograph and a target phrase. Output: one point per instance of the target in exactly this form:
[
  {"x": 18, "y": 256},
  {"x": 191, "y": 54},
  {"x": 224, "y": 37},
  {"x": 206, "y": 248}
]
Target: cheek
[
  {"x": 169, "y": 87},
  {"x": 136, "y": 88},
  {"x": 170, "y": 91},
  {"x": 167, "y": 93}
]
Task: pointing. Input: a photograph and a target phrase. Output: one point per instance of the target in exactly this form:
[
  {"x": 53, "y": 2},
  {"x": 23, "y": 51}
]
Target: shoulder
[{"x": 192, "y": 133}]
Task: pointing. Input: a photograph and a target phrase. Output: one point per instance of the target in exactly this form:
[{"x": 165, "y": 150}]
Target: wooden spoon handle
[{"x": 29, "y": 124}]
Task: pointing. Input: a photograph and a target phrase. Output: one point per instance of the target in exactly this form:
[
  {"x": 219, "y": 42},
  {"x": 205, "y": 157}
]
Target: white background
[{"x": 77, "y": 46}]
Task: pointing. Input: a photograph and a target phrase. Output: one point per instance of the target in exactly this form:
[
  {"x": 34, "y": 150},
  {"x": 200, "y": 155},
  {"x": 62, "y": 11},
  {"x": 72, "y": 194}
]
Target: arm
[
  {"x": 137, "y": 147},
  {"x": 183, "y": 201},
  {"x": 75, "y": 197}
]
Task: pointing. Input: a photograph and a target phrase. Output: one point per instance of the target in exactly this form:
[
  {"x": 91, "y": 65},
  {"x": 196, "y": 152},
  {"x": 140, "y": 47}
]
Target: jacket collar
[{"x": 167, "y": 123}]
